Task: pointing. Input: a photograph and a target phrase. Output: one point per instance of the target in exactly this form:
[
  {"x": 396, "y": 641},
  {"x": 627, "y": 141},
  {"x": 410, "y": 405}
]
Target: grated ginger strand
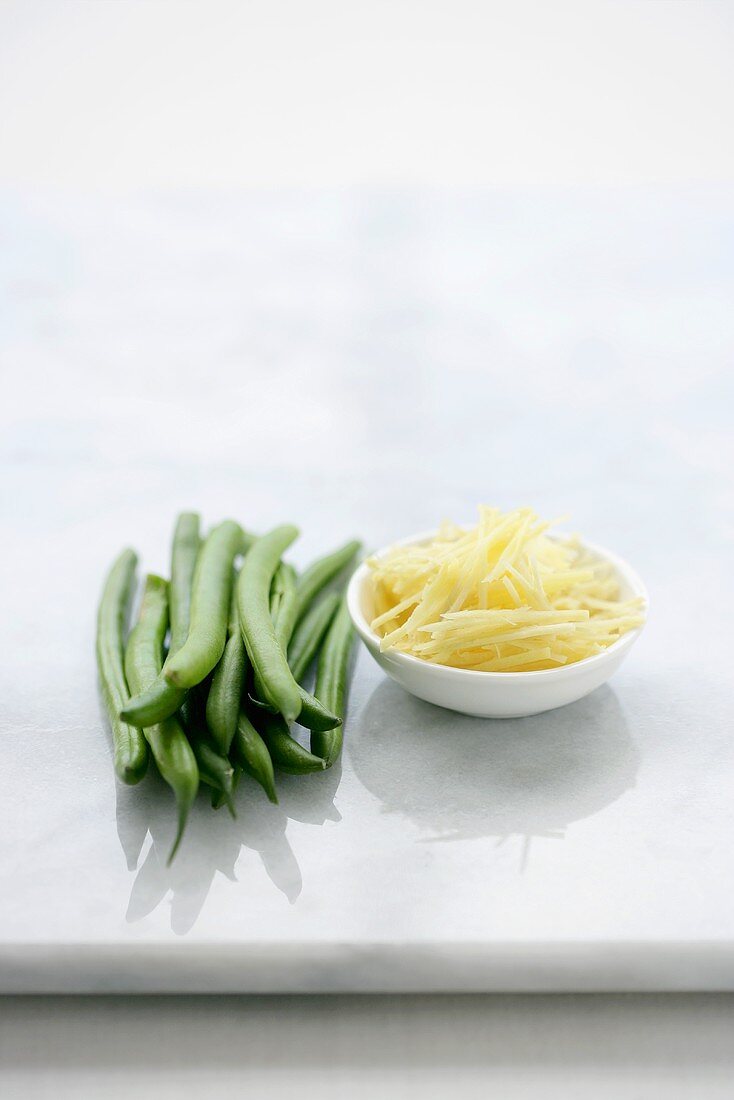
[{"x": 499, "y": 597}]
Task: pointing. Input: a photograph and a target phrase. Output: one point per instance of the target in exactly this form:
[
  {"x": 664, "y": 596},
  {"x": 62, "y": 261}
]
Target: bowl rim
[{"x": 370, "y": 638}]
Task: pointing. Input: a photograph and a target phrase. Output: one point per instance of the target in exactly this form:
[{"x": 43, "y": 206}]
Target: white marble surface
[{"x": 367, "y": 364}]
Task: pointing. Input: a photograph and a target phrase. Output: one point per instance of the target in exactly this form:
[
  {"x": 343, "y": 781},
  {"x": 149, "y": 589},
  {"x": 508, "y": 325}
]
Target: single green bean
[
  {"x": 162, "y": 699},
  {"x": 210, "y": 598},
  {"x": 268, "y": 661},
  {"x": 286, "y": 753},
  {"x": 225, "y": 693},
  {"x": 331, "y": 682},
  {"x": 320, "y": 572},
  {"x": 129, "y": 746},
  {"x": 184, "y": 554},
  {"x": 309, "y": 633},
  {"x": 282, "y": 612},
  {"x": 168, "y": 743},
  {"x": 216, "y": 771},
  {"x": 251, "y": 753},
  {"x": 313, "y": 714},
  {"x": 285, "y": 618},
  {"x": 278, "y": 586},
  {"x": 218, "y": 798}
]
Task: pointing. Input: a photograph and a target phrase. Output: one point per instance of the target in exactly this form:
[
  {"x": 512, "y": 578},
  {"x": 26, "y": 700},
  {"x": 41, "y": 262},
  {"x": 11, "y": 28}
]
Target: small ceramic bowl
[{"x": 494, "y": 694}]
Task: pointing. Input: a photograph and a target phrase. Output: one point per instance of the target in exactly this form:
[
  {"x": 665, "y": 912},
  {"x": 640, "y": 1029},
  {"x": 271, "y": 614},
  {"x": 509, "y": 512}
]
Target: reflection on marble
[
  {"x": 527, "y": 777},
  {"x": 470, "y": 777},
  {"x": 213, "y": 842},
  {"x": 209, "y": 849}
]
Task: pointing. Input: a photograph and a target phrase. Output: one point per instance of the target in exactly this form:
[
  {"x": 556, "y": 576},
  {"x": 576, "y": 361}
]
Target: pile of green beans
[{"x": 215, "y": 697}]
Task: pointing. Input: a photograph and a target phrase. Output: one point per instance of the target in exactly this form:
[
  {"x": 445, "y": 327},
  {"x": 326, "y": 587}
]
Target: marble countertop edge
[{"x": 430, "y": 967}]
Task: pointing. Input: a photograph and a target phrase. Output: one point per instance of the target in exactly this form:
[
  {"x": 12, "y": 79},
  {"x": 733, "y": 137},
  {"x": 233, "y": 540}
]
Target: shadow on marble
[
  {"x": 455, "y": 777},
  {"x": 213, "y": 841},
  {"x": 311, "y": 802},
  {"x": 132, "y": 827},
  {"x": 458, "y": 777}
]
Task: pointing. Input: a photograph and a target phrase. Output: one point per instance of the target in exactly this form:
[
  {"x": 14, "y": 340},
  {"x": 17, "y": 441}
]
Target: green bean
[
  {"x": 283, "y": 607},
  {"x": 308, "y": 634},
  {"x": 320, "y": 572},
  {"x": 170, "y": 748},
  {"x": 284, "y": 619},
  {"x": 278, "y": 587},
  {"x": 268, "y": 661},
  {"x": 331, "y": 682},
  {"x": 251, "y": 753},
  {"x": 282, "y": 612},
  {"x": 214, "y": 768},
  {"x": 184, "y": 553},
  {"x": 225, "y": 693},
  {"x": 246, "y": 541},
  {"x": 313, "y": 714},
  {"x": 129, "y": 746},
  {"x": 216, "y": 771},
  {"x": 210, "y": 598},
  {"x": 162, "y": 699},
  {"x": 218, "y": 799},
  {"x": 286, "y": 753}
]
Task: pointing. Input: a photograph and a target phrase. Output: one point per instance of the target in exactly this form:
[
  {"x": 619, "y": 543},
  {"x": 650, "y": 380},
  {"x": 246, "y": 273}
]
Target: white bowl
[{"x": 494, "y": 694}]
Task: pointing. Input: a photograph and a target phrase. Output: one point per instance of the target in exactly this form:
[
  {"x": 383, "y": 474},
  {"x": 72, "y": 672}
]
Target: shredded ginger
[{"x": 499, "y": 597}]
